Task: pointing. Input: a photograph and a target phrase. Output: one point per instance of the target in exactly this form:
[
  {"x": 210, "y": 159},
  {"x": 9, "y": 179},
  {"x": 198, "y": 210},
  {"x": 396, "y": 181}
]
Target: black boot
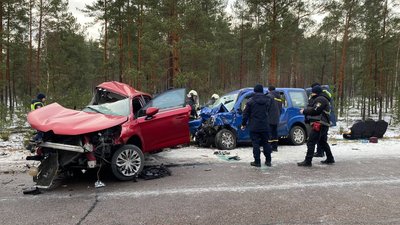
[
  {"x": 268, "y": 164},
  {"x": 330, "y": 161},
  {"x": 255, "y": 164},
  {"x": 304, "y": 163}
]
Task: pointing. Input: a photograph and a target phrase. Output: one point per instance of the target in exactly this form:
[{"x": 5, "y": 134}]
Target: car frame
[
  {"x": 219, "y": 125},
  {"x": 117, "y": 127}
]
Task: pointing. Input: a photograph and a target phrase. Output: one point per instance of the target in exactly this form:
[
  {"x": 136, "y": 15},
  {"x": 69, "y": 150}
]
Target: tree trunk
[
  {"x": 129, "y": 47},
  {"x": 274, "y": 45},
  {"x": 105, "y": 59},
  {"x": 1, "y": 56},
  {"x": 241, "y": 67},
  {"x": 343, "y": 59},
  {"x": 173, "y": 40},
  {"x": 39, "y": 42},
  {"x": 121, "y": 48},
  {"x": 30, "y": 50},
  {"x": 139, "y": 44},
  {"x": 8, "y": 72}
]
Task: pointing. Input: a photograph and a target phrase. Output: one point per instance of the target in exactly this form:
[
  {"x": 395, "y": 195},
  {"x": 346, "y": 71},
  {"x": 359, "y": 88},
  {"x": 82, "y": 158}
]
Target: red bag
[{"x": 316, "y": 126}]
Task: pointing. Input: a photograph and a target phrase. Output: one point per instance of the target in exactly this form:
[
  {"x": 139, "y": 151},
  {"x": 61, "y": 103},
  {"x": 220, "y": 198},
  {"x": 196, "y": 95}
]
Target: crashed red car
[{"x": 116, "y": 128}]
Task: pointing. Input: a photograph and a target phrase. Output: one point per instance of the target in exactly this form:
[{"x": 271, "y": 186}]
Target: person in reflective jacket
[
  {"x": 38, "y": 102},
  {"x": 255, "y": 116},
  {"x": 327, "y": 95},
  {"x": 273, "y": 117},
  {"x": 318, "y": 116}
]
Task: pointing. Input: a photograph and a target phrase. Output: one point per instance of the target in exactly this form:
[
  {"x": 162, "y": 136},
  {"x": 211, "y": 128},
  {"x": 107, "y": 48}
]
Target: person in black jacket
[
  {"x": 327, "y": 95},
  {"x": 318, "y": 116},
  {"x": 256, "y": 114},
  {"x": 273, "y": 117}
]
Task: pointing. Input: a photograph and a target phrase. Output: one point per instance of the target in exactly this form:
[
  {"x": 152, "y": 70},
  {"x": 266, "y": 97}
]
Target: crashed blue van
[{"x": 219, "y": 125}]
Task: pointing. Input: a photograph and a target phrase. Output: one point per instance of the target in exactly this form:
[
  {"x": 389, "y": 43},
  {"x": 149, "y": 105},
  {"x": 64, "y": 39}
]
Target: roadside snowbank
[{"x": 12, "y": 152}]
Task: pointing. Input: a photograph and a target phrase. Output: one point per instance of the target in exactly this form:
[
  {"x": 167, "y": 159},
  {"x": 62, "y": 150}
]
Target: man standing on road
[
  {"x": 318, "y": 116},
  {"x": 274, "y": 114},
  {"x": 256, "y": 113},
  {"x": 327, "y": 95}
]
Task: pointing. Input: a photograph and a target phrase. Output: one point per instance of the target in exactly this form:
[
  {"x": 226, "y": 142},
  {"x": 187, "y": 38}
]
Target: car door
[
  {"x": 243, "y": 135},
  {"x": 170, "y": 126}
]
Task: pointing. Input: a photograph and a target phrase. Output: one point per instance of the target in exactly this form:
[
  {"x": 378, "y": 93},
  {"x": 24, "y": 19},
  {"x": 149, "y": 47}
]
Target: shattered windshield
[
  {"x": 118, "y": 108},
  {"x": 228, "y": 101}
]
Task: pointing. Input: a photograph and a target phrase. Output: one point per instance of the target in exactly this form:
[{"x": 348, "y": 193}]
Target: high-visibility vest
[{"x": 35, "y": 105}]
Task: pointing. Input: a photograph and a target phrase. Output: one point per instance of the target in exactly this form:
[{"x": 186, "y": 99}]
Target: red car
[{"x": 116, "y": 128}]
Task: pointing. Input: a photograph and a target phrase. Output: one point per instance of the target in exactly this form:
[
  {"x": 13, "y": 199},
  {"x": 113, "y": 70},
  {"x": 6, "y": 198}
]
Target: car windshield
[
  {"x": 228, "y": 101},
  {"x": 118, "y": 108}
]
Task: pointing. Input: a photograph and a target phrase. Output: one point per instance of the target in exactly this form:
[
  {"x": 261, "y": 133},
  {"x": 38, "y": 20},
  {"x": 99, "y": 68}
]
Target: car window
[
  {"x": 136, "y": 105},
  {"x": 298, "y": 98},
  {"x": 283, "y": 98},
  {"x": 167, "y": 100},
  {"x": 244, "y": 102}
]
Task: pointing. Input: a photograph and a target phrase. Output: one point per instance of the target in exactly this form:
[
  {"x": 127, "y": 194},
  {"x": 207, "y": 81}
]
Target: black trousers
[
  {"x": 260, "y": 139},
  {"x": 320, "y": 137},
  {"x": 273, "y": 140}
]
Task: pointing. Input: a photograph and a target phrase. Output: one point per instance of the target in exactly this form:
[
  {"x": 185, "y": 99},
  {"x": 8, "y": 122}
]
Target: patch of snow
[{"x": 13, "y": 154}]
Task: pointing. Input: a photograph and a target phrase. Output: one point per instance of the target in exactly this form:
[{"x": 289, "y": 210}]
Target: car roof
[
  {"x": 121, "y": 88},
  {"x": 245, "y": 90}
]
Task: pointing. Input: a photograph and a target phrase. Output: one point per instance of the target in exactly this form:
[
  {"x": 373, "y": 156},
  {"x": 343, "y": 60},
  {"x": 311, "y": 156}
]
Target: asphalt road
[{"x": 355, "y": 191}]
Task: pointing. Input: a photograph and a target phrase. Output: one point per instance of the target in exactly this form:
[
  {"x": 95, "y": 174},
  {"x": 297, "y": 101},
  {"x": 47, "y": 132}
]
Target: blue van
[{"x": 220, "y": 124}]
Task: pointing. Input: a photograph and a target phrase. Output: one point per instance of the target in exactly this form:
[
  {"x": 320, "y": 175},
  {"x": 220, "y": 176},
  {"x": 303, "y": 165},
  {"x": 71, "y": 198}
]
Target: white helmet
[
  {"x": 192, "y": 93},
  {"x": 215, "y": 96}
]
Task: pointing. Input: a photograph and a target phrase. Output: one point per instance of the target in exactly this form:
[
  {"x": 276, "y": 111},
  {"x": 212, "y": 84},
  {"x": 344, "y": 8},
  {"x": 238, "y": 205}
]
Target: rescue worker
[
  {"x": 318, "y": 117},
  {"x": 38, "y": 102},
  {"x": 193, "y": 100},
  {"x": 256, "y": 114},
  {"x": 327, "y": 95},
  {"x": 273, "y": 117},
  {"x": 212, "y": 100}
]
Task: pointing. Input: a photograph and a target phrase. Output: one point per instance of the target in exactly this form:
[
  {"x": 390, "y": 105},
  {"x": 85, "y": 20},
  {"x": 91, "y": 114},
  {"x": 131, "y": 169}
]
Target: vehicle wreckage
[{"x": 115, "y": 129}]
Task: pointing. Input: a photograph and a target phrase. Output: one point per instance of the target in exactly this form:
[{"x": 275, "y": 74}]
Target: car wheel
[
  {"x": 297, "y": 135},
  {"x": 225, "y": 139},
  {"x": 202, "y": 139},
  {"x": 127, "y": 162}
]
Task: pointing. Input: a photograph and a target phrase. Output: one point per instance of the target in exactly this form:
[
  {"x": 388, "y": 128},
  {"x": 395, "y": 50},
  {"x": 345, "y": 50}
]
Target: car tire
[
  {"x": 127, "y": 162},
  {"x": 225, "y": 140},
  {"x": 297, "y": 135}
]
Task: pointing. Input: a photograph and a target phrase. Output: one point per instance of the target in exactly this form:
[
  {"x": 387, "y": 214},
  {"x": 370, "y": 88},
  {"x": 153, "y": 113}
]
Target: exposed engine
[{"x": 60, "y": 155}]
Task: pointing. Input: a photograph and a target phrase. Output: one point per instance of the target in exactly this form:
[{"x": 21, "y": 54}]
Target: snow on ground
[{"x": 13, "y": 153}]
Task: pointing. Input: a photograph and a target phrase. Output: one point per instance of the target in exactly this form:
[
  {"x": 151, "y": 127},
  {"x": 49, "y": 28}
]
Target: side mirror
[{"x": 150, "y": 112}]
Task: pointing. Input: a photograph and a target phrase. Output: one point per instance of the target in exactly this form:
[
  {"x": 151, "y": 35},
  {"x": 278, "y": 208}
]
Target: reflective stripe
[
  {"x": 33, "y": 106},
  {"x": 328, "y": 93},
  {"x": 278, "y": 99}
]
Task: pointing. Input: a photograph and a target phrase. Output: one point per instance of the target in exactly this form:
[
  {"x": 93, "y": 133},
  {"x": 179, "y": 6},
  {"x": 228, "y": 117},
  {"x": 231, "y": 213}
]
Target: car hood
[
  {"x": 65, "y": 121},
  {"x": 207, "y": 112}
]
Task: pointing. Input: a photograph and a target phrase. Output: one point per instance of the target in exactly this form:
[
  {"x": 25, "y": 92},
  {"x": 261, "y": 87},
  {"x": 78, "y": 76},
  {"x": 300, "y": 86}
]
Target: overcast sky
[{"x": 74, "y": 6}]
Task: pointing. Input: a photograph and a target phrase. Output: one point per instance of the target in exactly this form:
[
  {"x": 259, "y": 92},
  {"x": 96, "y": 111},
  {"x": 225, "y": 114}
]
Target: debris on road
[{"x": 154, "y": 172}]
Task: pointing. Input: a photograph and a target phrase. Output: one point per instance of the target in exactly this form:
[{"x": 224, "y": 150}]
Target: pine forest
[{"x": 211, "y": 46}]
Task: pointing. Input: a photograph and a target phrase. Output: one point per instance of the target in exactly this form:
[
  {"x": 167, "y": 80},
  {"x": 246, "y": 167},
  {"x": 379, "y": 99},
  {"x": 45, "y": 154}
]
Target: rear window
[{"x": 299, "y": 99}]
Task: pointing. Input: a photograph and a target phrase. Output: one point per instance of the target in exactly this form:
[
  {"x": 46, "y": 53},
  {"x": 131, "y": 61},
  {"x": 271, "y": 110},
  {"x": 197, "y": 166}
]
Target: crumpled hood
[
  {"x": 65, "y": 121},
  {"x": 206, "y": 112}
]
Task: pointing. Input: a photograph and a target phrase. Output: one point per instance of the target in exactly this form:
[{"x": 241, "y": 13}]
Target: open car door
[{"x": 164, "y": 121}]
